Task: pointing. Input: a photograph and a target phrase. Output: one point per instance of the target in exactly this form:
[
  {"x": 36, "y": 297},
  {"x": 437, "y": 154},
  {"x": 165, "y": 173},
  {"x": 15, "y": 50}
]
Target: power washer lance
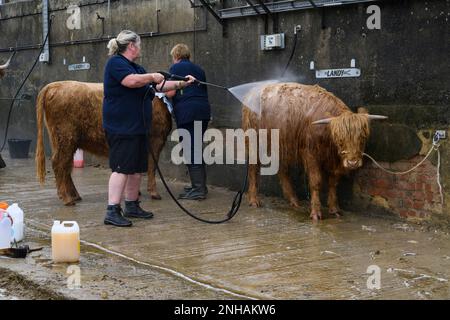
[
  {"x": 169, "y": 76},
  {"x": 236, "y": 204}
]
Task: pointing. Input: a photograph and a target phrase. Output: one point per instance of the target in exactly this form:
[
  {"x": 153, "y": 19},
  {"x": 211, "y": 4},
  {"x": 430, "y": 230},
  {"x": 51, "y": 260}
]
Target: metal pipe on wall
[
  {"x": 97, "y": 40},
  {"x": 157, "y": 15},
  {"x": 56, "y": 10},
  {"x": 45, "y": 55},
  {"x": 150, "y": 34}
]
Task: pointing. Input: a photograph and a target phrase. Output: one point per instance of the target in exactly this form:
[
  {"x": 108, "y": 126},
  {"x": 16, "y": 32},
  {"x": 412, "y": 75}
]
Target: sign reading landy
[
  {"x": 338, "y": 73},
  {"x": 79, "y": 66}
]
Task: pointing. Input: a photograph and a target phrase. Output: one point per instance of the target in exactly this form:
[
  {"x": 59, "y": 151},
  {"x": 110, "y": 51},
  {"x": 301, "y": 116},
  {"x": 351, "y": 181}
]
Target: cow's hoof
[
  {"x": 155, "y": 196},
  {"x": 294, "y": 203},
  {"x": 316, "y": 216},
  {"x": 255, "y": 203},
  {"x": 70, "y": 203},
  {"x": 77, "y": 199},
  {"x": 335, "y": 212}
]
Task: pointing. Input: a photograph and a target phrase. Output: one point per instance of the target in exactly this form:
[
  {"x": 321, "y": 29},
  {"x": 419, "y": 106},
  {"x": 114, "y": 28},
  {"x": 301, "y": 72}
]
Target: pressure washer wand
[
  {"x": 169, "y": 76},
  {"x": 212, "y": 85}
]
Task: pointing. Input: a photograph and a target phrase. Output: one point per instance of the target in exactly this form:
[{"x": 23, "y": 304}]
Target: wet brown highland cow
[
  {"x": 317, "y": 131},
  {"x": 73, "y": 116}
]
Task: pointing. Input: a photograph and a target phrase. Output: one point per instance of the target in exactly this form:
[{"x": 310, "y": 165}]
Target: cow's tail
[{"x": 40, "y": 152}]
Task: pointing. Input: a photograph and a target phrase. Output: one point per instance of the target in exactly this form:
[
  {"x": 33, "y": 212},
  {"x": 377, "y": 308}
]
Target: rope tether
[{"x": 435, "y": 147}]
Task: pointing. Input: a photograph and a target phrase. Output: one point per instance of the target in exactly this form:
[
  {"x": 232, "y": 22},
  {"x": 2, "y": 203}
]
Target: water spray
[{"x": 248, "y": 93}]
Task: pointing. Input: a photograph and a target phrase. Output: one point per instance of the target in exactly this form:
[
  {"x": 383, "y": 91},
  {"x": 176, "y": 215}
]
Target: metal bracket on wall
[
  {"x": 206, "y": 4},
  {"x": 253, "y": 7},
  {"x": 270, "y": 14},
  {"x": 102, "y": 19},
  {"x": 273, "y": 7},
  {"x": 263, "y": 14},
  {"x": 313, "y": 4},
  {"x": 266, "y": 9}
]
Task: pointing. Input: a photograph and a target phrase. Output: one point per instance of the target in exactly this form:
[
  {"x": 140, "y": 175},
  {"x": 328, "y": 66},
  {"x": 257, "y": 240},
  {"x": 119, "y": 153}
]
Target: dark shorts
[{"x": 128, "y": 154}]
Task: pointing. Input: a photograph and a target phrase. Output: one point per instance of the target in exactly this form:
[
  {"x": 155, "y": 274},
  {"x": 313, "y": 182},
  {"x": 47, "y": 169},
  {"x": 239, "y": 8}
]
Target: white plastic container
[
  {"x": 78, "y": 159},
  {"x": 16, "y": 214},
  {"x": 5, "y": 230},
  {"x": 65, "y": 242}
]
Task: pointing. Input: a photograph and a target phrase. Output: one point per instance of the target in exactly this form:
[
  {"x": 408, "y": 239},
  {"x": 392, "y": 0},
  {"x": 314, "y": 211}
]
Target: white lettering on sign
[
  {"x": 374, "y": 20},
  {"x": 338, "y": 73},
  {"x": 79, "y": 66},
  {"x": 74, "y": 20}
]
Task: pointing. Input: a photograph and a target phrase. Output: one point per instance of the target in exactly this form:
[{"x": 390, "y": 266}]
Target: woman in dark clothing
[
  {"x": 191, "y": 108},
  {"x": 126, "y": 120}
]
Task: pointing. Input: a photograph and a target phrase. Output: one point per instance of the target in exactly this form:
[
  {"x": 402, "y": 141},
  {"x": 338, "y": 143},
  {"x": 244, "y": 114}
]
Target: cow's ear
[
  {"x": 323, "y": 121},
  {"x": 362, "y": 110}
]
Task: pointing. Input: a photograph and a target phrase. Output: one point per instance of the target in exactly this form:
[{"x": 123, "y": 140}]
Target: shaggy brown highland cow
[
  {"x": 73, "y": 116},
  {"x": 317, "y": 131}
]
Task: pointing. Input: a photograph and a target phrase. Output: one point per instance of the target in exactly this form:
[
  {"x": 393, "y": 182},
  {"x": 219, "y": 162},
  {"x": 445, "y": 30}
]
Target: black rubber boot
[
  {"x": 189, "y": 188},
  {"x": 198, "y": 179},
  {"x": 114, "y": 217},
  {"x": 2, "y": 163},
  {"x": 134, "y": 210}
]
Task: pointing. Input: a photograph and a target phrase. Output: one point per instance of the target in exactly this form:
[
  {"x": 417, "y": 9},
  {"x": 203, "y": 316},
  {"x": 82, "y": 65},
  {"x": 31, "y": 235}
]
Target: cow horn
[
  {"x": 323, "y": 121},
  {"x": 376, "y": 117},
  {"x": 6, "y": 65}
]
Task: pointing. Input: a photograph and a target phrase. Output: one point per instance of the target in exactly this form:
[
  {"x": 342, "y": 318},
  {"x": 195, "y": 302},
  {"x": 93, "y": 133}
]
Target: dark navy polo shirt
[
  {"x": 122, "y": 107},
  {"x": 190, "y": 103}
]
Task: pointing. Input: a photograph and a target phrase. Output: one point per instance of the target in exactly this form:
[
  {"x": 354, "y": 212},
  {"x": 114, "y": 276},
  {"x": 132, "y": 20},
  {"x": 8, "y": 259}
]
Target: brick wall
[{"x": 413, "y": 195}]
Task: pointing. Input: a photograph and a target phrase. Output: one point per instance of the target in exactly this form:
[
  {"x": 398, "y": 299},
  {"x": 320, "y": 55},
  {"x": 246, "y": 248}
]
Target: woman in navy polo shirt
[
  {"x": 191, "y": 108},
  {"x": 126, "y": 120}
]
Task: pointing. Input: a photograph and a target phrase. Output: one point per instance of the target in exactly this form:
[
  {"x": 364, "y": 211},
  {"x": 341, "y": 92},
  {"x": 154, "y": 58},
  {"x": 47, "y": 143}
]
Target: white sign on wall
[
  {"x": 74, "y": 20},
  {"x": 374, "y": 21},
  {"x": 338, "y": 73},
  {"x": 79, "y": 66}
]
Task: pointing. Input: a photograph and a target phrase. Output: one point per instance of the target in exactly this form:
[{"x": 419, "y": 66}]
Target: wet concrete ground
[{"x": 274, "y": 252}]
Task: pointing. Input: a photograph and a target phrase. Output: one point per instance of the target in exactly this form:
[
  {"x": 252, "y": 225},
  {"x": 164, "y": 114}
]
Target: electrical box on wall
[{"x": 272, "y": 41}]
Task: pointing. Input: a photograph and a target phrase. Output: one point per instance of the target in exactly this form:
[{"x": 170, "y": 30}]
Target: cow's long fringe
[{"x": 353, "y": 126}]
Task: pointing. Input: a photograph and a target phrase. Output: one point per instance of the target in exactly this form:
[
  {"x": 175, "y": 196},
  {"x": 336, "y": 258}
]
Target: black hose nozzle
[{"x": 169, "y": 76}]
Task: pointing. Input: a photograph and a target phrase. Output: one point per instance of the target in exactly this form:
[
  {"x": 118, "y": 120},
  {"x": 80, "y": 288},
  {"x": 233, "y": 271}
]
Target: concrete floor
[{"x": 273, "y": 252}]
